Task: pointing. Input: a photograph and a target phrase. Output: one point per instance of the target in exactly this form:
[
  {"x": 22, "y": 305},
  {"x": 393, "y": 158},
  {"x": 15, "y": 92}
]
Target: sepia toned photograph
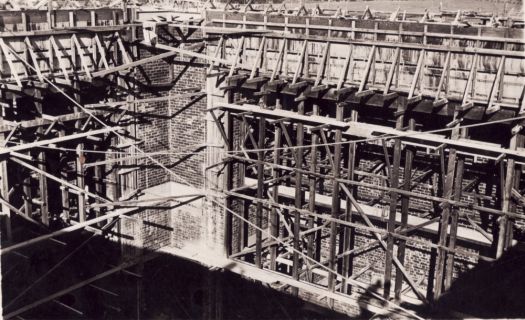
[{"x": 262, "y": 159}]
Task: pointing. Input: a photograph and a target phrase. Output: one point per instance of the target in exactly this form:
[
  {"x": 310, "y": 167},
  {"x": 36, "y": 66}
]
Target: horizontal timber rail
[
  {"x": 370, "y": 131},
  {"x": 368, "y": 29}
]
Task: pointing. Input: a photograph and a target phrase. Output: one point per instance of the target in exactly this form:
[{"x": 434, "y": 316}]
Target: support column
[
  {"x": 299, "y": 194},
  {"x": 311, "y": 239},
  {"x": 458, "y": 189},
  {"x": 349, "y": 232},
  {"x": 42, "y": 183},
  {"x": 394, "y": 183},
  {"x": 228, "y": 179},
  {"x": 260, "y": 192},
  {"x": 274, "y": 218},
  {"x": 505, "y": 224},
  {"x": 405, "y": 205},
  {"x": 64, "y": 189},
  {"x": 444, "y": 222},
  {"x": 336, "y": 203}
]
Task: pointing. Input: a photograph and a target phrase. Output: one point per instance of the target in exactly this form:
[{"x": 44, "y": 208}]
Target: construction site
[{"x": 187, "y": 159}]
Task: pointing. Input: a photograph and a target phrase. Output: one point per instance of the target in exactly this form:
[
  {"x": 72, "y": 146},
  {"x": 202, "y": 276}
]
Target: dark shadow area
[
  {"x": 169, "y": 288},
  {"x": 489, "y": 291},
  {"x": 180, "y": 289}
]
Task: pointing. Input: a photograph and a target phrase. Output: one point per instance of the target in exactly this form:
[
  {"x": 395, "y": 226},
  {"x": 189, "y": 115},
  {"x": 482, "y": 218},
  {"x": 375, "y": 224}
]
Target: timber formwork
[
  {"x": 343, "y": 136},
  {"x": 340, "y": 136}
]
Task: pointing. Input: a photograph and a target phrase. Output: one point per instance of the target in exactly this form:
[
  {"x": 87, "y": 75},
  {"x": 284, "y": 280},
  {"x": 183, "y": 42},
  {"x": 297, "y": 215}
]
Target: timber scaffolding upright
[{"x": 352, "y": 159}]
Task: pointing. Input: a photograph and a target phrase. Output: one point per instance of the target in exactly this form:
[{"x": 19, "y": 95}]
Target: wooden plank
[
  {"x": 496, "y": 87},
  {"x": 218, "y": 50},
  {"x": 416, "y": 78},
  {"x": 82, "y": 54},
  {"x": 102, "y": 52},
  {"x": 34, "y": 58},
  {"x": 300, "y": 63},
  {"x": 322, "y": 65},
  {"x": 370, "y": 61},
  {"x": 442, "y": 78},
  {"x": 237, "y": 57},
  {"x": 258, "y": 59},
  {"x": 391, "y": 71},
  {"x": 344, "y": 71},
  {"x": 469, "y": 87},
  {"x": 59, "y": 54}
]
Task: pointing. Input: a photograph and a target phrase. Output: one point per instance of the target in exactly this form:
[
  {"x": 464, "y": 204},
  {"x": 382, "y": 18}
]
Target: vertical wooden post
[
  {"x": 311, "y": 250},
  {"x": 260, "y": 191},
  {"x": 394, "y": 183},
  {"x": 28, "y": 205},
  {"x": 510, "y": 182},
  {"x": 336, "y": 202},
  {"x": 80, "y": 159},
  {"x": 444, "y": 222},
  {"x": 274, "y": 218},
  {"x": 349, "y": 232},
  {"x": 64, "y": 189},
  {"x": 405, "y": 204},
  {"x": 299, "y": 194},
  {"x": 228, "y": 179},
  {"x": 42, "y": 180},
  {"x": 458, "y": 188},
  {"x": 42, "y": 183}
]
